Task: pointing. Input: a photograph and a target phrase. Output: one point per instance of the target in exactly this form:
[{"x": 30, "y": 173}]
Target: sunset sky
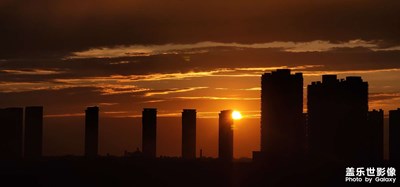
[{"x": 125, "y": 55}]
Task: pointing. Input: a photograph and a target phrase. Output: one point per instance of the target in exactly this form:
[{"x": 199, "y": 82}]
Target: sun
[{"x": 236, "y": 115}]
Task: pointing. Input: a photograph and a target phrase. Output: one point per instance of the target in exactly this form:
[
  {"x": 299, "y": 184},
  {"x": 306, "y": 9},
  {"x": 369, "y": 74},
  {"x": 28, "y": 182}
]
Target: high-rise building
[
  {"x": 33, "y": 131},
  {"x": 225, "y": 138},
  {"x": 375, "y": 134},
  {"x": 337, "y": 118},
  {"x": 282, "y": 118},
  {"x": 394, "y": 135},
  {"x": 149, "y": 132},
  {"x": 11, "y": 120},
  {"x": 189, "y": 134},
  {"x": 91, "y": 131}
]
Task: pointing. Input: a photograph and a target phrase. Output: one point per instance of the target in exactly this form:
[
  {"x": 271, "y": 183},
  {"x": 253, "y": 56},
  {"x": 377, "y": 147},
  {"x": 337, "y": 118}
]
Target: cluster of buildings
[
  {"x": 17, "y": 139},
  {"x": 337, "y": 124}
]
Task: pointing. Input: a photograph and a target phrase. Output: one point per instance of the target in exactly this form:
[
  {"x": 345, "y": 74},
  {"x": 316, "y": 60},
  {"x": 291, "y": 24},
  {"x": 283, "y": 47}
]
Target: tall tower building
[
  {"x": 337, "y": 118},
  {"x": 11, "y": 127},
  {"x": 189, "y": 134},
  {"x": 91, "y": 131},
  {"x": 394, "y": 135},
  {"x": 225, "y": 138},
  {"x": 33, "y": 131},
  {"x": 282, "y": 119},
  {"x": 375, "y": 134},
  {"x": 149, "y": 132}
]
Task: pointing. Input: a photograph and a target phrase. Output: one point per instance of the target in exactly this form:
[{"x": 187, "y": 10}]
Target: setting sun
[{"x": 236, "y": 115}]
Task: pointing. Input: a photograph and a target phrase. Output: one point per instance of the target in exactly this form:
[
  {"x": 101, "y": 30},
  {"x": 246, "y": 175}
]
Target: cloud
[
  {"x": 376, "y": 97},
  {"x": 172, "y": 90},
  {"x": 148, "y": 50},
  {"x": 46, "y": 28},
  {"x": 218, "y": 98},
  {"x": 107, "y": 104},
  {"x": 31, "y": 71},
  {"x": 128, "y": 84},
  {"x": 320, "y": 73},
  {"x": 63, "y": 115},
  {"x": 227, "y": 62},
  {"x": 386, "y": 101},
  {"x": 9, "y": 87},
  {"x": 252, "y": 89},
  {"x": 112, "y": 89}
]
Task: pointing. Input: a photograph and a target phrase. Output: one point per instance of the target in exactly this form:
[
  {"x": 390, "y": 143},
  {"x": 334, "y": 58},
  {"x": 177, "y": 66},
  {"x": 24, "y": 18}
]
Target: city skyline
[
  {"x": 347, "y": 103},
  {"x": 124, "y": 56},
  {"x": 199, "y": 93},
  {"x": 171, "y": 55}
]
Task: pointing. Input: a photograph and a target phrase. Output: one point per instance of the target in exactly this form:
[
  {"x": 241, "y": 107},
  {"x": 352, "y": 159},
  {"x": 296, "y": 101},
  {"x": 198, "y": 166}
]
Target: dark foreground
[{"x": 174, "y": 172}]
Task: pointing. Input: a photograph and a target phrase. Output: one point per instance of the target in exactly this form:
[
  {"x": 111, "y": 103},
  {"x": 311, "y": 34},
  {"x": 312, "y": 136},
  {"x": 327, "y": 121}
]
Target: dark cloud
[
  {"x": 48, "y": 28},
  {"x": 140, "y": 68},
  {"x": 374, "y": 97}
]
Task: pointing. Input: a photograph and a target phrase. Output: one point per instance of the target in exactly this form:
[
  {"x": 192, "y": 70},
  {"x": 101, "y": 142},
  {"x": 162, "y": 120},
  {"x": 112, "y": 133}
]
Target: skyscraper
[
  {"x": 91, "y": 131},
  {"x": 189, "y": 134},
  {"x": 33, "y": 131},
  {"x": 225, "y": 138},
  {"x": 149, "y": 132},
  {"x": 394, "y": 135},
  {"x": 375, "y": 134},
  {"x": 11, "y": 120},
  {"x": 282, "y": 119},
  {"x": 337, "y": 118}
]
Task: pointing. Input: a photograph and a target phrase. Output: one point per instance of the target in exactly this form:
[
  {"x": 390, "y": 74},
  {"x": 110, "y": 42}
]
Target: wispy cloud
[
  {"x": 252, "y": 89},
  {"x": 32, "y": 71},
  {"x": 125, "y": 84},
  {"x": 288, "y": 46},
  {"x": 383, "y": 96},
  {"x": 173, "y": 90},
  {"x": 63, "y": 115},
  {"x": 8, "y": 87},
  {"x": 120, "y": 89},
  {"x": 219, "y": 98},
  {"x": 319, "y": 73},
  {"x": 116, "y": 112},
  {"x": 106, "y": 104},
  {"x": 385, "y": 101},
  {"x": 155, "y": 101}
]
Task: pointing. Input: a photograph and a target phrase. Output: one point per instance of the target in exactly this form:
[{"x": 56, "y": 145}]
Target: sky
[{"x": 125, "y": 55}]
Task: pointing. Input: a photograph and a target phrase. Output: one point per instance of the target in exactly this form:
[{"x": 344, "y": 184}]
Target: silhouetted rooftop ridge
[
  {"x": 149, "y": 109},
  {"x": 354, "y": 79},
  {"x": 189, "y": 110},
  {"x": 331, "y": 79},
  {"x": 281, "y": 72},
  {"x": 92, "y": 108},
  {"x": 226, "y": 111}
]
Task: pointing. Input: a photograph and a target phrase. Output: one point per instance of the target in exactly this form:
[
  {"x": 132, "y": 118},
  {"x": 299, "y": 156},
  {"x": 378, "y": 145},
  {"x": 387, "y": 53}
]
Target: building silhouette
[
  {"x": 337, "y": 118},
  {"x": 282, "y": 118},
  {"x": 149, "y": 132},
  {"x": 375, "y": 139},
  {"x": 394, "y": 135},
  {"x": 11, "y": 120},
  {"x": 189, "y": 134},
  {"x": 225, "y": 136},
  {"x": 91, "y": 131},
  {"x": 33, "y": 131}
]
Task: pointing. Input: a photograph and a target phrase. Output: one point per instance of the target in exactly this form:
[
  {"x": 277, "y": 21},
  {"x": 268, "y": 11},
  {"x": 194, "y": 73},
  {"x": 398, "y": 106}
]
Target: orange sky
[{"x": 126, "y": 55}]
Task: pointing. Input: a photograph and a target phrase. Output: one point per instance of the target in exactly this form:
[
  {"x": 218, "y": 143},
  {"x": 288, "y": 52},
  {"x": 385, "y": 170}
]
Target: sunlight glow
[{"x": 236, "y": 115}]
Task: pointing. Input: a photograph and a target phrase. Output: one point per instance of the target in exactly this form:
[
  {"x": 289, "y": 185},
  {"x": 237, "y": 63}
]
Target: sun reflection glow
[{"x": 236, "y": 115}]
